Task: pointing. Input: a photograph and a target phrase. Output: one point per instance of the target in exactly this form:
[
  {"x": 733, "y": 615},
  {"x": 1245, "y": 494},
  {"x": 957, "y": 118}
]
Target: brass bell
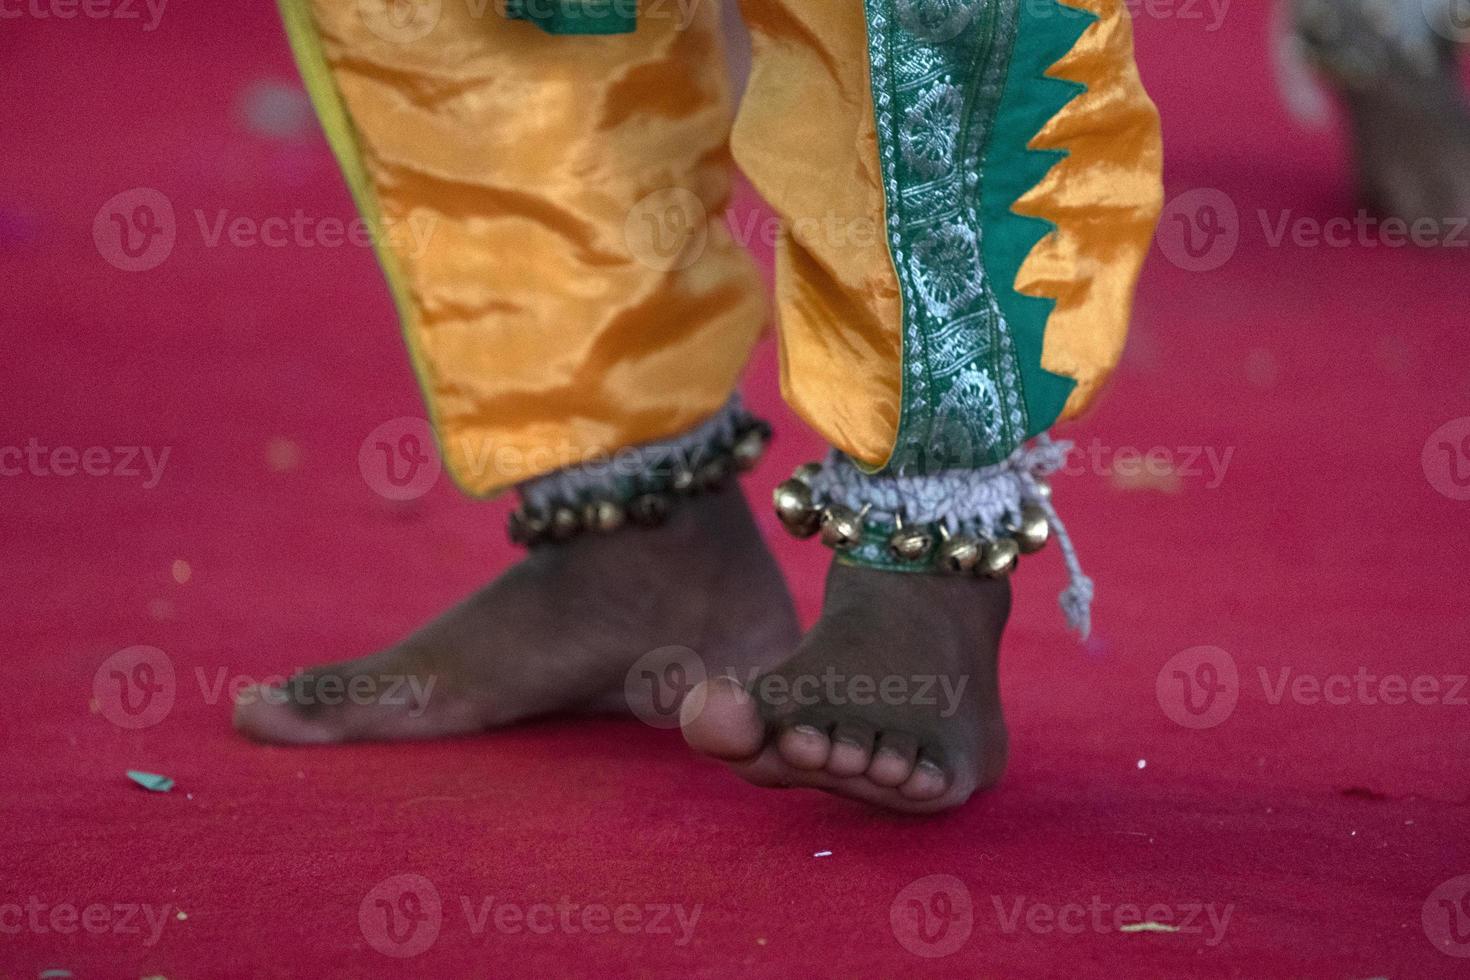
[
  {"x": 527, "y": 526},
  {"x": 684, "y": 480},
  {"x": 565, "y": 523},
  {"x": 649, "y": 510},
  {"x": 807, "y": 472},
  {"x": 909, "y": 543},
  {"x": 750, "y": 445},
  {"x": 1033, "y": 530},
  {"x": 796, "y": 509},
  {"x": 842, "y": 527},
  {"x": 712, "y": 475},
  {"x": 960, "y": 554},
  {"x": 603, "y": 516},
  {"x": 1000, "y": 558}
]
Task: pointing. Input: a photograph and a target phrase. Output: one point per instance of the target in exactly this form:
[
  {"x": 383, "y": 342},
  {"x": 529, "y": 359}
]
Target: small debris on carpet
[
  {"x": 1147, "y": 927},
  {"x": 151, "y": 781}
]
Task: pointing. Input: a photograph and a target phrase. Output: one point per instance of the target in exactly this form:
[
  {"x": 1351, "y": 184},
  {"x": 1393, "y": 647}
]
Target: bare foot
[
  {"x": 1400, "y": 84},
  {"x": 557, "y": 632},
  {"x": 892, "y": 698}
]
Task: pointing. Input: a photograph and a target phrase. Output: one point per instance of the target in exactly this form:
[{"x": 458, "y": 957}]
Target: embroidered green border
[
  {"x": 577, "y": 16},
  {"x": 959, "y": 91}
]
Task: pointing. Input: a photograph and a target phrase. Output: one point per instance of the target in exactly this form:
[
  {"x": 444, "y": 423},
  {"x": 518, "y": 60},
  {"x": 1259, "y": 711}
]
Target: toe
[
  {"x": 927, "y": 782},
  {"x": 270, "y": 714},
  {"x": 804, "y": 747},
  {"x": 721, "y": 720},
  {"x": 852, "y": 750},
  {"x": 893, "y": 760}
]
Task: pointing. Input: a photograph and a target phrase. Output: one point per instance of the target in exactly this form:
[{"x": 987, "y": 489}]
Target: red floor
[{"x": 1317, "y": 835}]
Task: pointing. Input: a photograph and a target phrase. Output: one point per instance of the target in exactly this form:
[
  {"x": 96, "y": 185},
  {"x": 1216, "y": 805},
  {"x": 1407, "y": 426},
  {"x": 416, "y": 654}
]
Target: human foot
[
  {"x": 1400, "y": 84},
  {"x": 557, "y": 632},
  {"x": 892, "y": 698}
]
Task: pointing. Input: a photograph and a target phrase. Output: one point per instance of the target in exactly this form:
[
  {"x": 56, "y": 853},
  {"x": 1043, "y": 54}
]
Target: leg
[
  {"x": 558, "y": 311},
  {"x": 989, "y": 299},
  {"x": 1395, "y": 66}
]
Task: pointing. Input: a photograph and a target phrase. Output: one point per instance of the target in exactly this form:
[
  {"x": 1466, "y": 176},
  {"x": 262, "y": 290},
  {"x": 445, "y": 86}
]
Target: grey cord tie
[{"x": 611, "y": 474}]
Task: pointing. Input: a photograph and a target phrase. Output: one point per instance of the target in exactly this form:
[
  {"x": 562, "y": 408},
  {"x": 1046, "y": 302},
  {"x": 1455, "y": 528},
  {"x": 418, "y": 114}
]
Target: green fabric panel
[
  {"x": 577, "y": 16},
  {"x": 1048, "y": 30}
]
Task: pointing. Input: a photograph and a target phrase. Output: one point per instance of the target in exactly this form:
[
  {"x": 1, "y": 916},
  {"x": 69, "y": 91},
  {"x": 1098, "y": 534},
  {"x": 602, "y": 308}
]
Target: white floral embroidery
[
  {"x": 946, "y": 269},
  {"x": 937, "y": 21},
  {"x": 931, "y": 130}
]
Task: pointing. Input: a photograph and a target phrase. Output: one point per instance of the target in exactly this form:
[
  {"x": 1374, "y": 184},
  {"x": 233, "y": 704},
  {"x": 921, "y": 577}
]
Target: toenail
[
  {"x": 931, "y": 768},
  {"x": 808, "y": 730}
]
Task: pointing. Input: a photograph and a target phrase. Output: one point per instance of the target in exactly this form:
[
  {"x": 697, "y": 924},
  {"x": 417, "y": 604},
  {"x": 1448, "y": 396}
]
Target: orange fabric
[
  {"x": 1105, "y": 198},
  {"x": 554, "y": 308},
  {"x": 806, "y": 138},
  {"x": 552, "y": 212}
]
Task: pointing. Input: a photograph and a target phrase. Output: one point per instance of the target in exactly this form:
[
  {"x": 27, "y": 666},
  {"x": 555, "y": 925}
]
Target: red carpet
[{"x": 1291, "y": 839}]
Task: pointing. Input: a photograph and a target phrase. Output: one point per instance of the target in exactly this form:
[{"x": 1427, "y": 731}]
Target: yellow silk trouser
[{"x": 550, "y": 216}]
